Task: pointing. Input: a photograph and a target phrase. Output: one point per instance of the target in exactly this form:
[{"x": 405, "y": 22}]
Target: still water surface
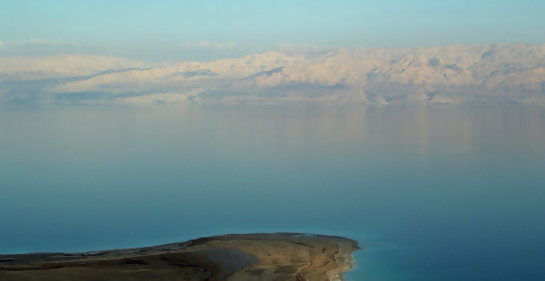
[{"x": 431, "y": 193}]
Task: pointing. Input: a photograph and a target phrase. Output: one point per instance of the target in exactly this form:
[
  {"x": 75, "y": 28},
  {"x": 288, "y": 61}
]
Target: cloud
[
  {"x": 41, "y": 43},
  {"x": 208, "y": 45},
  {"x": 38, "y": 47},
  {"x": 287, "y": 45},
  {"x": 34, "y": 41}
]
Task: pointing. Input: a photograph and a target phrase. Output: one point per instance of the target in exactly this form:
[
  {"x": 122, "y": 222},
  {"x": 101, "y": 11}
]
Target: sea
[{"x": 444, "y": 192}]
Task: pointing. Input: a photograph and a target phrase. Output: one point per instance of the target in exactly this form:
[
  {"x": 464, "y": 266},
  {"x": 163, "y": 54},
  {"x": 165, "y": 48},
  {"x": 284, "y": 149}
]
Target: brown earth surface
[{"x": 244, "y": 257}]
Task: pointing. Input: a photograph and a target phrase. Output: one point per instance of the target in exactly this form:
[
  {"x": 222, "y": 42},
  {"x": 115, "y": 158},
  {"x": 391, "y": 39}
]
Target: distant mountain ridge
[{"x": 443, "y": 74}]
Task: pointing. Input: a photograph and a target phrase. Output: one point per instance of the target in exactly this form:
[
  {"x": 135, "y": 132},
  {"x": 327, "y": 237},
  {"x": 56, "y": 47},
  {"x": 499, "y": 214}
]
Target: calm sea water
[{"x": 431, "y": 193}]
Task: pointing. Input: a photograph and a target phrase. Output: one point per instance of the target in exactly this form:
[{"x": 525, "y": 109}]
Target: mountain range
[{"x": 453, "y": 74}]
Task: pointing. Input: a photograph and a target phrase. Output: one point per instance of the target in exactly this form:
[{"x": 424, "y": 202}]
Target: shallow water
[{"x": 431, "y": 193}]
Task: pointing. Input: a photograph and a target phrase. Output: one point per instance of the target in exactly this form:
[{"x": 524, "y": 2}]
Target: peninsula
[{"x": 241, "y": 257}]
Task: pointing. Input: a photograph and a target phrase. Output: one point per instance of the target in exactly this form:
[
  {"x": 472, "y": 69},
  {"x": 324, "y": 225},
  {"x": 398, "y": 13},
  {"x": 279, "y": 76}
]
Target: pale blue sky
[{"x": 168, "y": 29}]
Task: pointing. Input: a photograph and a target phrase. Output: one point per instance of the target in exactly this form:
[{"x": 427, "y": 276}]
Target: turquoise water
[{"x": 431, "y": 193}]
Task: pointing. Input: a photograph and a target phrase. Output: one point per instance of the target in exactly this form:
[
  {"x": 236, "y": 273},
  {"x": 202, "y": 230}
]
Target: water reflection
[{"x": 425, "y": 190}]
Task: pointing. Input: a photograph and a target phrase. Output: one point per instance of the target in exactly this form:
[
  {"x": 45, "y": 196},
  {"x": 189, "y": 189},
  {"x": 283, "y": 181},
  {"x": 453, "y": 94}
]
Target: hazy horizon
[
  {"x": 207, "y": 30},
  {"x": 354, "y": 52}
]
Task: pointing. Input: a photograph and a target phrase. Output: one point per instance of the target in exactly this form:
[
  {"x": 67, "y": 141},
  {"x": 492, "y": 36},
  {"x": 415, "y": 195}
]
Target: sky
[{"x": 205, "y": 30}]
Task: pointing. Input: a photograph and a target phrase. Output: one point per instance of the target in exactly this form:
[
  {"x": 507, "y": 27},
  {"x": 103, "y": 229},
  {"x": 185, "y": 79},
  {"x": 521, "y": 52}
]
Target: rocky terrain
[
  {"x": 444, "y": 74},
  {"x": 281, "y": 256}
]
